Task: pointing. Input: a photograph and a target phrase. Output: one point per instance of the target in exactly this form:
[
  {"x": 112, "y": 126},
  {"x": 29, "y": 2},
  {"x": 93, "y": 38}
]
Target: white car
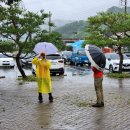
[
  {"x": 57, "y": 64},
  {"x": 113, "y": 60},
  {"x": 6, "y": 61}
]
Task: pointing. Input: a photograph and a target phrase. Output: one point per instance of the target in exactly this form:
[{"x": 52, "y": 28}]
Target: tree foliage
[
  {"x": 69, "y": 48},
  {"x": 18, "y": 28},
  {"x": 108, "y": 29}
]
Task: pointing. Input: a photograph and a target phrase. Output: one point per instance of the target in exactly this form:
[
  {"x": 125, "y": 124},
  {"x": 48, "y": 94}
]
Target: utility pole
[
  {"x": 124, "y": 3},
  {"x": 125, "y": 6},
  {"x": 49, "y": 22}
]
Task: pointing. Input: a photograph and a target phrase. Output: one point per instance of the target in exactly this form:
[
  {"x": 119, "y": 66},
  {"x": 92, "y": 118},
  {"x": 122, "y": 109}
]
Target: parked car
[
  {"x": 113, "y": 60},
  {"x": 79, "y": 57},
  {"x": 6, "y": 61},
  {"x": 66, "y": 55},
  {"x": 27, "y": 60},
  {"x": 57, "y": 64},
  {"x": 127, "y": 54}
]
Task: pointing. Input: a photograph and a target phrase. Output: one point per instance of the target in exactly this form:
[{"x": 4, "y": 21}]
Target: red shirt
[{"x": 97, "y": 73}]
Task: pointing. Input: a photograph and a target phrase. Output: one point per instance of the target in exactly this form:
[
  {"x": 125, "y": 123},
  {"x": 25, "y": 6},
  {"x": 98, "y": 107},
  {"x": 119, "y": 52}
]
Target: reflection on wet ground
[
  {"x": 13, "y": 72},
  {"x": 71, "y": 71},
  {"x": 43, "y": 113},
  {"x": 80, "y": 74},
  {"x": 78, "y": 71}
]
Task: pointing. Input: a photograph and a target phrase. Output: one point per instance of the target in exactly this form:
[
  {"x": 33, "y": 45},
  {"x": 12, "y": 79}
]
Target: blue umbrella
[
  {"x": 78, "y": 44},
  {"x": 46, "y": 47}
]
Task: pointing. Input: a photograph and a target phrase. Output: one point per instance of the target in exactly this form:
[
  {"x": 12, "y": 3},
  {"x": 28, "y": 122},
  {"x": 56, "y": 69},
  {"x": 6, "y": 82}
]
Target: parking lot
[{"x": 71, "y": 110}]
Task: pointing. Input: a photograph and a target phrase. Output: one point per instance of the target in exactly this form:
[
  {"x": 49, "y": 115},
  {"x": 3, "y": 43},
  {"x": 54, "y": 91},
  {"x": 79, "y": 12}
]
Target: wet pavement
[{"x": 71, "y": 110}]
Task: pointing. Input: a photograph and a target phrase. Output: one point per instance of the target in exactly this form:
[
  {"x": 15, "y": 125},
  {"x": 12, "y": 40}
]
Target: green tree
[
  {"x": 18, "y": 28},
  {"x": 108, "y": 29},
  {"x": 69, "y": 48}
]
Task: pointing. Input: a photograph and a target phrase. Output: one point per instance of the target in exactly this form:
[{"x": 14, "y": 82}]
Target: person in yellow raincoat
[{"x": 43, "y": 76}]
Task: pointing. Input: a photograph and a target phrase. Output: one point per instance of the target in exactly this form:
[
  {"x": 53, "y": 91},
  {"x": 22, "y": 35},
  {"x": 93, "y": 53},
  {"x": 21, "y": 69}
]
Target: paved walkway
[{"x": 71, "y": 109}]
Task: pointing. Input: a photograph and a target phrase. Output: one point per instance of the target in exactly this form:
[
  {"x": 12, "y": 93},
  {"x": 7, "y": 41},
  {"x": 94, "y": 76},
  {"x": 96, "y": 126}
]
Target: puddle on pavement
[
  {"x": 12, "y": 73},
  {"x": 73, "y": 71}
]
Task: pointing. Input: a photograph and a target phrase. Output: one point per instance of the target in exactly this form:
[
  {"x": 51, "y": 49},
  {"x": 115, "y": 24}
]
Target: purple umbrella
[{"x": 46, "y": 47}]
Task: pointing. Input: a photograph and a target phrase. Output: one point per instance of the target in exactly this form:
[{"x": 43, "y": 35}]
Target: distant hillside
[
  {"x": 76, "y": 29},
  {"x": 73, "y": 30},
  {"x": 59, "y": 22},
  {"x": 115, "y": 9}
]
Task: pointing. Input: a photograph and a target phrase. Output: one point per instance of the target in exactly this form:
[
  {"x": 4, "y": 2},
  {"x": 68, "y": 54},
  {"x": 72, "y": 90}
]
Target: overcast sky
[{"x": 71, "y": 9}]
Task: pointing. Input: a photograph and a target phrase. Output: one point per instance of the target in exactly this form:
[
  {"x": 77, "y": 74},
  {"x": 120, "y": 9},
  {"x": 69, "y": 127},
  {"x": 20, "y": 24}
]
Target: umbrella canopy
[
  {"x": 46, "y": 47},
  {"x": 96, "y": 56}
]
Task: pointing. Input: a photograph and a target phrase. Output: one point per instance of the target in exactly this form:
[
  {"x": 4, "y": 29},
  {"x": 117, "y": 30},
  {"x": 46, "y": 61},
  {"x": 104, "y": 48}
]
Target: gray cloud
[{"x": 70, "y": 9}]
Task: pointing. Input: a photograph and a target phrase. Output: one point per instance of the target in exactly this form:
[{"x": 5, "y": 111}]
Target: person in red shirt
[{"x": 98, "y": 78}]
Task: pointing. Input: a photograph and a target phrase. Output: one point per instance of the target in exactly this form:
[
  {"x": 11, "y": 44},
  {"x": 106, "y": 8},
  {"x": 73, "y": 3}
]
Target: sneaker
[{"x": 98, "y": 105}]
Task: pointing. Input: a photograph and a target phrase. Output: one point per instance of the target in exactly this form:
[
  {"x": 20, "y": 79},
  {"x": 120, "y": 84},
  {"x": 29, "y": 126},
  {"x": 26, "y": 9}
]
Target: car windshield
[
  {"x": 116, "y": 56},
  {"x": 53, "y": 57},
  {"x": 81, "y": 52},
  {"x": 67, "y": 53},
  {"x": 3, "y": 56}
]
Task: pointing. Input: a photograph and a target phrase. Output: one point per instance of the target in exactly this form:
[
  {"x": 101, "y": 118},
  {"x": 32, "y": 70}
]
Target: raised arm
[{"x": 35, "y": 61}]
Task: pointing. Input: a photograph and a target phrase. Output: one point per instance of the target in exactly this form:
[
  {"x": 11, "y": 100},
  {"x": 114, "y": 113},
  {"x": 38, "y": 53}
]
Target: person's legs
[
  {"x": 99, "y": 93},
  {"x": 97, "y": 89},
  {"x": 50, "y": 97},
  {"x": 40, "y": 97},
  {"x": 39, "y": 82}
]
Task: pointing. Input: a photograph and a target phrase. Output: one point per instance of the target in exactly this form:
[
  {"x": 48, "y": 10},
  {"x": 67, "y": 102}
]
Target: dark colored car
[
  {"x": 66, "y": 55},
  {"x": 26, "y": 60},
  {"x": 79, "y": 57}
]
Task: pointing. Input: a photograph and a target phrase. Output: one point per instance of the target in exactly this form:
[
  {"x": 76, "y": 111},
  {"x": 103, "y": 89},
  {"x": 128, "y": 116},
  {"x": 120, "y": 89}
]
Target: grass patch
[
  {"x": 118, "y": 75},
  {"x": 128, "y": 101},
  {"x": 29, "y": 78},
  {"x": 82, "y": 103}
]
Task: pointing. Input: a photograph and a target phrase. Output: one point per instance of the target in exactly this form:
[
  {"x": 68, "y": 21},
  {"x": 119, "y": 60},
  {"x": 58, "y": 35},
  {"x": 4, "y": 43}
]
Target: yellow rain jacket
[{"x": 43, "y": 75}]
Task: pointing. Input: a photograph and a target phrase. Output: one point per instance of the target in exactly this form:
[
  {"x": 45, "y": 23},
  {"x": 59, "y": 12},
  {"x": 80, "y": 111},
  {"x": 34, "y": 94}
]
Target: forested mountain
[
  {"x": 59, "y": 22},
  {"x": 115, "y": 9},
  {"x": 73, "y": 30},
  {"x": 77, "y": 29}
]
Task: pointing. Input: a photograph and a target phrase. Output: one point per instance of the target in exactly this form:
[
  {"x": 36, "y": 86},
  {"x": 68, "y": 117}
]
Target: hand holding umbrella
[{"x": 46, "y": 47}]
